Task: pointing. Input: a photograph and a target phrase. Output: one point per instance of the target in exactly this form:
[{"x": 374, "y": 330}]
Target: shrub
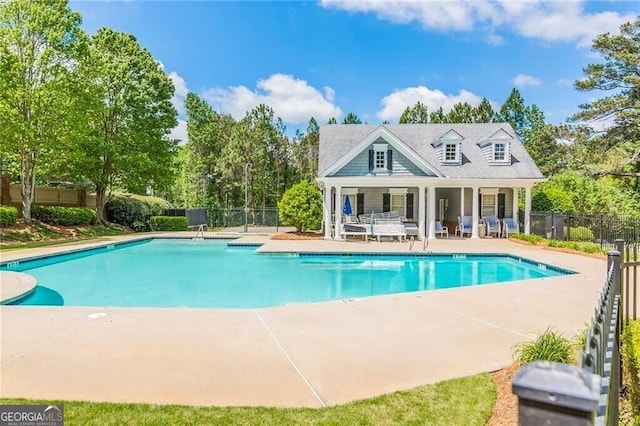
[
  {"x": 552, "y": 200},
  {"x": 66, "y": 216},
  {"x": 532, "y": 238},
  {"x": 8, "y": 216},
  {"x": 631, "y": 363},
  {"x": 548, "y": 346},
  {"x": 156, "y": 205},
  {"x": 301, "y": 206},
  {"x": 168, "y": 223},
  {"x": 580, "y": 233},
  {"x": 134, "y": 211}
]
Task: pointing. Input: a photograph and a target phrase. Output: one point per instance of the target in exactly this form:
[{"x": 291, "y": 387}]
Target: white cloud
[
  {"x": 565, "y": 21},
  {"x": 292, "y": 99},
  {"x": 565, "y": 82},
  {"x": 394, "y": 104},
  {"x": 495, "y": 40},
  {"x": 180, "y": 93},
  {"x": 522, "y": 80},
  {"x": 180, "y": 132}
]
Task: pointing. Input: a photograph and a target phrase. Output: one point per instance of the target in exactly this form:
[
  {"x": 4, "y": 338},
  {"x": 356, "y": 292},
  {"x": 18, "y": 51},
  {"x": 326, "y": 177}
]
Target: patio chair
[
  {"x": 442, "y": 230},
  {"x": 509, "y": 226},
  {"x": 389, "y": 228},
  {"x": 464, "y": 225},
  {"x": 347, "y": 229},
  {"x": 493, "y": 225}
]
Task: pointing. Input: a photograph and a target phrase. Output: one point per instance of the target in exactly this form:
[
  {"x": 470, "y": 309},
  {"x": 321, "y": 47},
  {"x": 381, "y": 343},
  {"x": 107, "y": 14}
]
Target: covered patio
[{"x": 425, "y": 200}]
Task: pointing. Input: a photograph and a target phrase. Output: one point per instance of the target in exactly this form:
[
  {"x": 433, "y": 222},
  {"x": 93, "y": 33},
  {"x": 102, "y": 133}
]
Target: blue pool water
[{"x": 172, "y": 273}]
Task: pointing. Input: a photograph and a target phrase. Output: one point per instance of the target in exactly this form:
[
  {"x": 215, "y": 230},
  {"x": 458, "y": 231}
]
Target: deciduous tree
[
  {"x": 129, "y": 120},
  {"x": 41, "y": 44}
]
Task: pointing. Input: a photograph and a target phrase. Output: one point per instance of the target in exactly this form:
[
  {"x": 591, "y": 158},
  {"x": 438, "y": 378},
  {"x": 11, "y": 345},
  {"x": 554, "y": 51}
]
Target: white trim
[
  {"x": 350, "y": 191},
  {"x": 394, "y": 141},
  {"x": 501, "y": 135},
  {"x": 489, "y": 191},
  {"x": 398, "y": 191}
]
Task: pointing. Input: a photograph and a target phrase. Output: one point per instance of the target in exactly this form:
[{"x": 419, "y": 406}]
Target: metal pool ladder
[{"x": 199, "y": 234}]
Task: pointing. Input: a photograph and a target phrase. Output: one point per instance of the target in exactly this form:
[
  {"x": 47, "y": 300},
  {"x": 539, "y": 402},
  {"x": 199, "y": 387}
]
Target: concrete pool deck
[{"x": 298, "y": 355}]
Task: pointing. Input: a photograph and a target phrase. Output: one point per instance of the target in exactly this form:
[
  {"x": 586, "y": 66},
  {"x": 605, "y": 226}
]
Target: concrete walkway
[{"x": 300, "y": 355}]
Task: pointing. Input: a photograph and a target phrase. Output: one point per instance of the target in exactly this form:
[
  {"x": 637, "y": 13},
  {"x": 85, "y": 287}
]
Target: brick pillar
[
  {"x": 5, "y": 194},
  {"x": 82, "y": 197}
]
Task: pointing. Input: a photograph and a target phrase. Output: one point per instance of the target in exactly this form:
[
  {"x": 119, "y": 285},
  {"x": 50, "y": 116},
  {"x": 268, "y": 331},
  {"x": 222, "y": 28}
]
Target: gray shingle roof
[{"x": 337, "y": 139}]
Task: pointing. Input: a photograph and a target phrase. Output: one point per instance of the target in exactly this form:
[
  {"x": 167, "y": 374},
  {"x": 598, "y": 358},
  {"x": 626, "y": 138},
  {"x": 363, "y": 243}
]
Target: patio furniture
[
  {"x": 389, "y": 228},
  {"x": 464, "y": 226},
  {"x": 442, "y": 230},
  {"x": 493, "y": 226},
  {"x": 509, "y": 226},
  {"x": 347, "y": 229}
]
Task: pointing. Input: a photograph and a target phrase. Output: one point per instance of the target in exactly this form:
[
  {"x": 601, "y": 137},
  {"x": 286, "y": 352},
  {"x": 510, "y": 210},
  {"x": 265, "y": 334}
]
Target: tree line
[{"x": 96, "y": 110}]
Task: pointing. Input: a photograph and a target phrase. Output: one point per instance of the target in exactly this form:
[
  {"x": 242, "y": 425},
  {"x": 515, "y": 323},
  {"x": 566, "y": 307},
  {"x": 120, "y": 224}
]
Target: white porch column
[
  {"x": 514, "y": 213},
  {"x": 338, "y": 214},
  {"x": 431, "y": 217},
  {"x": 461, "y": 202},
  {"x": 421, "y": 211},
  {"x": 474, "y": 212},
  {"x": 527, "y": 210},
  {"x": 326, "y": 208}
]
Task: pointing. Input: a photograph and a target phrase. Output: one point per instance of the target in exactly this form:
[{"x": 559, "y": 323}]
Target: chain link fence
[{"x": 235, "y": 217}]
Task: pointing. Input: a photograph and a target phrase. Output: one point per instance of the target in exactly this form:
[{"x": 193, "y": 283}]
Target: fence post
[{"x": 553, "y": 393}]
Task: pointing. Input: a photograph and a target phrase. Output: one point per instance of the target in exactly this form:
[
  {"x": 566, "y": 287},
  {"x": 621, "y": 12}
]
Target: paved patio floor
[{"x": 300, "y": 355}]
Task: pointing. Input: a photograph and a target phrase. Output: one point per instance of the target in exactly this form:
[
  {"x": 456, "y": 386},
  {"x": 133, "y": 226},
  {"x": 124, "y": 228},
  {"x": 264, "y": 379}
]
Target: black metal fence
[
  {"x": 602, "y": 230},
  {"x": 630, "y": 280},
  {"x": 587, "y": 393},
  {"x": 235, "y": 216}
]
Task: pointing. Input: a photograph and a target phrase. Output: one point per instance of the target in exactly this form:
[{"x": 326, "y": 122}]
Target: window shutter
[
  {"x": 390, "y": 160},
  {"x": 370, "y": 160},
  {"x": 409, "y": 209},
  {"x": 360, "y": 202},
  {"x": 386, "y": 202}
]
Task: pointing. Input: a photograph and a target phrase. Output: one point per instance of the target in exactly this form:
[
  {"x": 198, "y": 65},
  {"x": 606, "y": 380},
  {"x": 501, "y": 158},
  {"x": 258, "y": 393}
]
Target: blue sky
[{"x": 373, "y": 58}]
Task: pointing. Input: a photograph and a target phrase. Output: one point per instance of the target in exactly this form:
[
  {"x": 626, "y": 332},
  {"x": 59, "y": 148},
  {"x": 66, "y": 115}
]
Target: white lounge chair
[
  {"x": 347, "y": 229},
  {"x": 385, "y": 228},
  {"x": 509, "y": 226},
  {"x": 442, "y": 230}
]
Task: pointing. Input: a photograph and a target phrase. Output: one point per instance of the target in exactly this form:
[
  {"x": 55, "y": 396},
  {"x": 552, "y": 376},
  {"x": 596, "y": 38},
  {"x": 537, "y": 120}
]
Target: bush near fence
[
  {"x": 135, "y": 211},
  {"x": 66, "y": 216},
  {"x": 631, "y": 362},
  {"x": 8, "y": 216},
  {"x": 602, "y": 230},
  {"x": 168, "y": 223}
]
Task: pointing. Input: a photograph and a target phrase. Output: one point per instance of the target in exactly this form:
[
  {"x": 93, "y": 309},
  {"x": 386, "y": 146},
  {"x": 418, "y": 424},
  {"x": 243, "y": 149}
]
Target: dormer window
[
  {"x": 500, "y": 152},
  {"x": 451, "y": 152}
]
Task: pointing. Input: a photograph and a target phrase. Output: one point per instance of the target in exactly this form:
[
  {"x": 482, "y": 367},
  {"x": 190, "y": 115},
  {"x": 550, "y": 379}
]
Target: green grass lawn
[
  {"x": 464, "y": 401},
  {"x": 40, "y": 235}
]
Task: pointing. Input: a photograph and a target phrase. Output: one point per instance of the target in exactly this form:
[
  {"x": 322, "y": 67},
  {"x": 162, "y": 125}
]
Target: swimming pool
[{"x": 185, "y": 273}]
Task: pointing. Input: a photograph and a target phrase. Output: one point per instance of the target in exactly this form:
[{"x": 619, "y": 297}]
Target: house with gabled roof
[{"x": 425, "y": 172}]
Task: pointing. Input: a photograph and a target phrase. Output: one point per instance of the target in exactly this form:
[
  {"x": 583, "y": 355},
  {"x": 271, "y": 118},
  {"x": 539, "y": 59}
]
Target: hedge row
[
  {"x": 65, "y": 215},
  {"x": 168, "y": 223},
  {"x": 135, "y": 211},
  {"x": 8, "y": 216}
]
